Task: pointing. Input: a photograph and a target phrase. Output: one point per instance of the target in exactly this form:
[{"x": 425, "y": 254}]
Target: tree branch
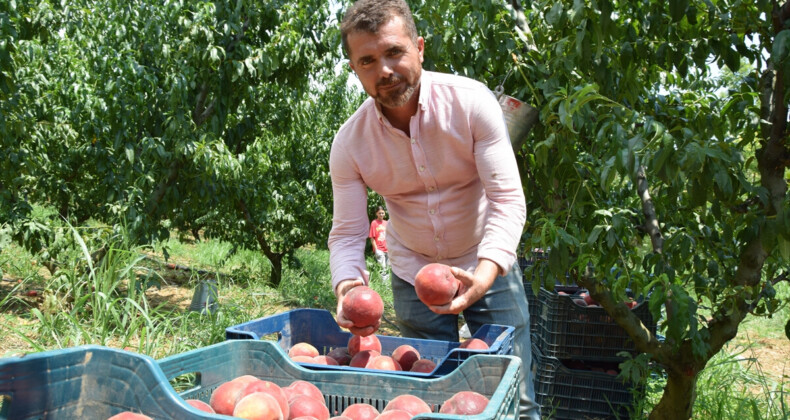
[{"x": 649, "y": 211}]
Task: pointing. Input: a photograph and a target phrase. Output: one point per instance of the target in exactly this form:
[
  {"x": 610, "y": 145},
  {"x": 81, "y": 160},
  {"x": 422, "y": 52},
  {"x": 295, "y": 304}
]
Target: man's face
[{"x": 387, "y": 63}]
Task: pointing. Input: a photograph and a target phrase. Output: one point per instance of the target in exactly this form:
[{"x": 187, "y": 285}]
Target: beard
[{"x": 397, "y": 96}]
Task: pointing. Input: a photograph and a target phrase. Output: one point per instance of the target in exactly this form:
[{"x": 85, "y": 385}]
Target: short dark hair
[{"x": 370, "y": 15}]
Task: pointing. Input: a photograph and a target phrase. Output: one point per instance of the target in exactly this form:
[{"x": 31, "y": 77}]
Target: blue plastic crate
[
  {"x": 493, "y": 376},
  {"x": 319, "y": 328},
  {"x": 88, "y": 382}
]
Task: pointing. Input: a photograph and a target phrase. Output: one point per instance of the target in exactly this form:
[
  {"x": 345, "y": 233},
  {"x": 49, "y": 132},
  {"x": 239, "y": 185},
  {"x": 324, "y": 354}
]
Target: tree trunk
[
  {"x": 678, "y": 398},
  {"x": 277, "y": 268}
]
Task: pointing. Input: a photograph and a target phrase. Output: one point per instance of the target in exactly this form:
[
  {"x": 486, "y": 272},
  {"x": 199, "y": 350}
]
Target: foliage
[
  {"x": 170, "y": 115},
  {"x": 647, "y": 170}
]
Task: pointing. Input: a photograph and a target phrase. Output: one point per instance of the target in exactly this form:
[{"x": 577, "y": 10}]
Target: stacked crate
[{"x": 577, "y": 350}]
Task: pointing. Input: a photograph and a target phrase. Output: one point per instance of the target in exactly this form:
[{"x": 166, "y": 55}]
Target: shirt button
[
  {"x": 431, "y": 189},
  {"x": 422, "y": 168},
  {"x": 432, "y": 211},
  {"x": 436, "y": 239},
  {"x": 413, "y": 141}
]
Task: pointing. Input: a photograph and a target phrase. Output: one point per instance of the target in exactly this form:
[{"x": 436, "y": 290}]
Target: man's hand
[
  {"x": 473, "y": 287},
  {"x": 340, "y": 291}
]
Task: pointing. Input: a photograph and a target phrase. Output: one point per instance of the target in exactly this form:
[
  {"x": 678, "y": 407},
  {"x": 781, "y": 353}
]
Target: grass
[{"x": 119, "y": 304}]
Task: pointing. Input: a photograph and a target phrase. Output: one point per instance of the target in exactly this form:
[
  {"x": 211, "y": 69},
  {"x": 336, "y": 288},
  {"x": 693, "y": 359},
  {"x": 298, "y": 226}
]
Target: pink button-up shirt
[{"x": 452, "y": 189}]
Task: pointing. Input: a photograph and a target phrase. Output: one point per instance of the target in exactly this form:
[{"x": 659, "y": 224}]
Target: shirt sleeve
[
  {"x": 349, "y": 233},
  {"x": 498, "y": 171}
]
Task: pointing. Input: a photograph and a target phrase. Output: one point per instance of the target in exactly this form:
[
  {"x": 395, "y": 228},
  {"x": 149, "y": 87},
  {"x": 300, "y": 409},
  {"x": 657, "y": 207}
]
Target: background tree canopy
[{"x": 658, "y": 163}]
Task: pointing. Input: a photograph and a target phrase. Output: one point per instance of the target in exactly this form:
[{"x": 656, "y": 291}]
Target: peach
[
  {"x": 301, "y": 387},
  {"x": 464, "y": 403},
  {"x": 325, "y": 360},
  {"x": 305, "y": 418},
  {"x": 423, "y": 365},
  {"x": 362, "y": 358},
  {"x": 340, "y": 418},
  {"x": 301, "y": 358},
  {"x": 360, "y": 411},
  {"x": 363, "y": 306},
  {"x": 200, "y": 405},
  {"x": 128, "y": 415},
  {"x": 474, "y": 344},
  {"x": 258, "y": 406},
  {"x": 394, "y": 415},
  {"x": 435, "y": 284},
  {"x": 305, "y": 405},
  {"x": 357, "y": 343},
  {"x": 341, "y": 355},
  {"x": 270, "y": 388},
  {"x": 302, "y": 349},
  {"x": 382, "y": 362},
  {"x": 409, "y": 403},
  {"x": 224, "y": 398},
  {"x": 405, "y": 355}
]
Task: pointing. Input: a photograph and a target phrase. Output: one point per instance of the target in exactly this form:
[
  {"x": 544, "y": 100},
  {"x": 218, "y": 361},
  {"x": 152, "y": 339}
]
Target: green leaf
[
  {"x": 677, "y": 9},
  {"x": 780, "y": 49},
  {"x": 129, "y": 150}
]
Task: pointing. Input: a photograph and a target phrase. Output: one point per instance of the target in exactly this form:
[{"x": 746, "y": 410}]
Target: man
[
  {"x": 436, "y": 148},
  {"x": 378, "y": 240}
]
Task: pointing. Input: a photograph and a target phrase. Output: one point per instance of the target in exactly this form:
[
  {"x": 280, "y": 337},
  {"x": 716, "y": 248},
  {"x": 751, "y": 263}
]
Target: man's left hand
[{"x": 473, "y": 287}]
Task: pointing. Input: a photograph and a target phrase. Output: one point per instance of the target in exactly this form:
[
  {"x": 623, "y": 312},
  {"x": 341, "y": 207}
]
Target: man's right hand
[{"x": 340, "y": 291}]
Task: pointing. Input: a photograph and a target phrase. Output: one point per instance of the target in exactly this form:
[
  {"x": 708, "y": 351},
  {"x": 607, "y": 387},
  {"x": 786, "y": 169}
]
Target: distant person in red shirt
[{"x": 378, "y": 238}]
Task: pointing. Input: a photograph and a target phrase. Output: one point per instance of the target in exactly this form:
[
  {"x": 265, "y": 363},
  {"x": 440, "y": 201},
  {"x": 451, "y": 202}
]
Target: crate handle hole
[
  {"x": 186, "y": 382},
  {"x": 5, "y": 406}
]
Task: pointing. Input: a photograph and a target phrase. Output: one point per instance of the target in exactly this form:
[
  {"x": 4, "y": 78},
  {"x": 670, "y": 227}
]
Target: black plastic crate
[
  {"x": 574, "y": 390},
  {"x": 565, "y": 330}
]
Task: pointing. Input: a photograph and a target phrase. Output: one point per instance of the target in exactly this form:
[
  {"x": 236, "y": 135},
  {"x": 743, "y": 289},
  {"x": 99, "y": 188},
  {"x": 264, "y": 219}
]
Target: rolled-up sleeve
[{"x": 498, "y": 170}]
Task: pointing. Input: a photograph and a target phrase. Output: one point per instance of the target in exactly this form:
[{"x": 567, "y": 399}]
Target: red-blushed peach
[
  {"x": 302, "y": 387},
  {"x": 302, "y": 349},
  {"x": 200, "y": 405},
  {"x": 128, "y": 415},
  {"x": 357, "y": 344},
  {"x": 474, "y": 344},
  {"x": 423, "y": 366},
  {"x": 409, "y": 403},
  {"x": 362, "y": 358},
  {"x": 394, "y": 415},
  {"x": 224, "y": 398},
  {"x": 435, "y": 284},
  {"x": 270, "y": 388},
  {"x": 339, "y": 418},
  {"x": 464, "y": 403},
  {"x": 305, "y": 418},
  {"x": 363, "y": 306},
  {"x": 301, "y": 358},
  {"x": 305, "y": 405},
  {"x": 325, "y": 360},
  {"x": 382, "y": 362},
  {"x": 405, "y": 355},
  {"x": 258, "y": 406},
  {"x": 341, "y": 355},
  {"x": 360, "y": 411}
]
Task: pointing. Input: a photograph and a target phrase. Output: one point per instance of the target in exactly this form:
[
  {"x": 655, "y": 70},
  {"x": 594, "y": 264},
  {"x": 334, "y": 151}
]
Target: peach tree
[
  {"x": 659, "y": 160},
  {"x": 168, "y": 115}
]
